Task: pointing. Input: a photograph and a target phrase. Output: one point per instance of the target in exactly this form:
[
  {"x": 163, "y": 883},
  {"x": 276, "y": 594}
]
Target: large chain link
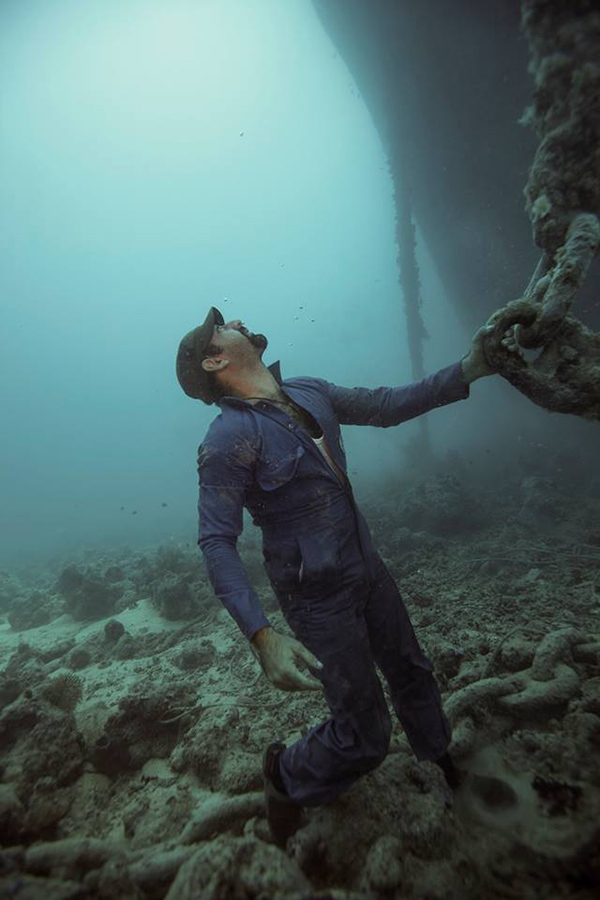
[{"x": 565, "y": 376}]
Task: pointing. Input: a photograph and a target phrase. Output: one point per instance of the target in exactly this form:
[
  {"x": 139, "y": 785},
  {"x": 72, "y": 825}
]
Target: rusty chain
[{"x": 565, "y": 376}]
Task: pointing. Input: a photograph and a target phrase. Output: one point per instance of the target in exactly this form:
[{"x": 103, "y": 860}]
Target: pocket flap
[{"x": 272, "y": 473}]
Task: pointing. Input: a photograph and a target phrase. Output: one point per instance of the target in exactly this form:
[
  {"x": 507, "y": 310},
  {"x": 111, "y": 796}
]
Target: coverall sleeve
[
  {"x": 224, "y": 473},
  {"x": 385, "y": 406}
]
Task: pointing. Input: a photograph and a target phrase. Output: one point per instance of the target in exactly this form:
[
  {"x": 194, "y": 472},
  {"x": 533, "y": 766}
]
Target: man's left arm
[{"x": 387, "y": 406}]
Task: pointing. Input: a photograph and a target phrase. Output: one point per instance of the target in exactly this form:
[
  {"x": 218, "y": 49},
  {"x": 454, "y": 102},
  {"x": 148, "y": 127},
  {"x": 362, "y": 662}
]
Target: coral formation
[
  {"x": 10, "y": 589},
  {"x": 241, "y": 866},
  {"x": 64, "y": 691},
  {"x": 113, "y": 630},
  {"x": 114, "y": 573},
  {"x": 29, "y": 612},
  {"x": 201, "y": 750},
  {"x": 441, "y": 505},
  {"x": 87, "y": 594},
  {"x": 218, "y": 815},
  {"x": 195, "y": 655},
  {"x": 79, "y": 658},
  {"x": 141, "y": 723},
  {"x": 171, "y": 578},
  {"x": 43, "y": 755},
  {"x": 110, "y": 755},
  {"x": 125, "y": 647},
  {"x": 173, "y": 596}
]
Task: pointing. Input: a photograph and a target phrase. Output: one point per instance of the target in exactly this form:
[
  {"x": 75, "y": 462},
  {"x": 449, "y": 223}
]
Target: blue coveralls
[{"x": 333, "y": 588}]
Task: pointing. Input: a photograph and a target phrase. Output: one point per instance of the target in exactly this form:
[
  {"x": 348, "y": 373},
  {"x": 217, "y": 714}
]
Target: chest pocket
[{"x": 274, "y": 471}]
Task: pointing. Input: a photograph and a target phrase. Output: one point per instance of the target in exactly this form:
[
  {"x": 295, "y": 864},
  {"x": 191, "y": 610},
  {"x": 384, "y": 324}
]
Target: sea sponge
[
  {"x": 87, "y": 594},
  {"x": 113, "y": 630},
  {"x": 64, "y": 691},
  {"x": 79, "y": 658},
  {"x": 173, "y": 597},
  {"x": 30, "y": 612}
]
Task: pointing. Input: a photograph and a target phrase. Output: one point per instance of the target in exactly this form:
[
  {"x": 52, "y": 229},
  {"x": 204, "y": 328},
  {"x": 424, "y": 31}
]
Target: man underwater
[{"x": 276, "y": 449}]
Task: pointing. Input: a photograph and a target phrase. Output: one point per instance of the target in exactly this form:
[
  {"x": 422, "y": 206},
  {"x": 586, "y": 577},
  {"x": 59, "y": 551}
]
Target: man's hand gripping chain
[{"x": 565, "y": 376}]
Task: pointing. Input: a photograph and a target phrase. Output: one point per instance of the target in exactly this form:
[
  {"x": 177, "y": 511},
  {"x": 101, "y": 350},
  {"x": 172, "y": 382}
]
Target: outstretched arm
[{"x": 387, "y": 406}]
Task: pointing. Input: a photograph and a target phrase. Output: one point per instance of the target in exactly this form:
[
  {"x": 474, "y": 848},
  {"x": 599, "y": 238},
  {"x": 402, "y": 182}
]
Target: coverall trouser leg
[{"x": 350, "y": 630}]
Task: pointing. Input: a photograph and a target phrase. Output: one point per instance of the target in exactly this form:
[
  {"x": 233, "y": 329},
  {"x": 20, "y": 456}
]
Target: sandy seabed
[{"x": 133, "y": 719}]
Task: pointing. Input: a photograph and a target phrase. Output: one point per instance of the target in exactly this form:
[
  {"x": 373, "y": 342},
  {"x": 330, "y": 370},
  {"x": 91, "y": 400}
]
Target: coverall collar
[{"x": 274, "y": 369}]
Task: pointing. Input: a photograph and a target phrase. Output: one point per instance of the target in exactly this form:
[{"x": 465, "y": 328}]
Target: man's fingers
[
  {"x": 512, "y": 346},
  {"x": 303, "y": 653},
  {"x": 510, "y": 340},
  {"x": 295, "y": 680},
  {"x": 304, "y": 682},
  {"x": 309, "y": 659},
  {"x": 285, "y": 662}
]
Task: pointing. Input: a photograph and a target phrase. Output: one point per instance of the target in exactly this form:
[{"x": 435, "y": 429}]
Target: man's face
[{"x": 237, "y": 341}]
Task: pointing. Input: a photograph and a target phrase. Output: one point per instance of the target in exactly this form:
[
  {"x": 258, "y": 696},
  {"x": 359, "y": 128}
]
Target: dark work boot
[
  {"x": 453, "y": 776},
  {"x": 283, "y": 815}
]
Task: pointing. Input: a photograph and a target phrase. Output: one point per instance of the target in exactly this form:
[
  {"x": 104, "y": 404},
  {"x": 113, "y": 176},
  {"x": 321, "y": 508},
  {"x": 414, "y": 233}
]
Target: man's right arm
[{"x": 224, "y": 473}]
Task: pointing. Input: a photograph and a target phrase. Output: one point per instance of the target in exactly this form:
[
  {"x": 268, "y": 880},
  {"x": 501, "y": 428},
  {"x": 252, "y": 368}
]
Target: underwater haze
[{"x": 159, "y": 158}]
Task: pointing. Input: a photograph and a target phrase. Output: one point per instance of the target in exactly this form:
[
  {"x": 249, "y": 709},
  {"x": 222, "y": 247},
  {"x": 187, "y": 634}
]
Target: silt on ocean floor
[{"x": 133, "y": 720}]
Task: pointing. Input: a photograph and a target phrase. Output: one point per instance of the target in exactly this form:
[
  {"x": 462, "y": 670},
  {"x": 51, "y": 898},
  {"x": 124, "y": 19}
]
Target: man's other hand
[
  {"x": 475, "y": 364},
  {"x": 285, "y": 661}
]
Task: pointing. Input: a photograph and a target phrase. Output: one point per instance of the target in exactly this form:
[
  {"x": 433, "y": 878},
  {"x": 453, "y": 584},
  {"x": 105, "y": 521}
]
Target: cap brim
[
  {"x": 192, "y": 350},
  {"x": 203, "y": 334}
]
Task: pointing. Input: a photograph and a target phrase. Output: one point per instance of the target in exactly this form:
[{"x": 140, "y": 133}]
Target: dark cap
[{"x": 192, "y": 350}]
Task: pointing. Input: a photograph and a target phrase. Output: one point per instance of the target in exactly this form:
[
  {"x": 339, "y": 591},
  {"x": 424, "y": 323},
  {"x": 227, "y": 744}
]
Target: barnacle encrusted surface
[{"x": 564, "y": 43}]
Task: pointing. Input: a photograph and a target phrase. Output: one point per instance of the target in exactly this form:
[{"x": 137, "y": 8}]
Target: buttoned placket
[
  {"x": 305, "y": 439},
  {"x": 272, "y": 413},
  {"x": 308, "y": 441}
]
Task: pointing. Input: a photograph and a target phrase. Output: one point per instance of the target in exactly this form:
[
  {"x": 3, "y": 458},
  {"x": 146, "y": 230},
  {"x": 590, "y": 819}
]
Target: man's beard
[{"x": 257, "y": 340}]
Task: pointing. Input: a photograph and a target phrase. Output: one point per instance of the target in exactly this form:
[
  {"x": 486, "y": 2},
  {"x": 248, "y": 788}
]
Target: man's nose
[{"x": 235, "y": 323}]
